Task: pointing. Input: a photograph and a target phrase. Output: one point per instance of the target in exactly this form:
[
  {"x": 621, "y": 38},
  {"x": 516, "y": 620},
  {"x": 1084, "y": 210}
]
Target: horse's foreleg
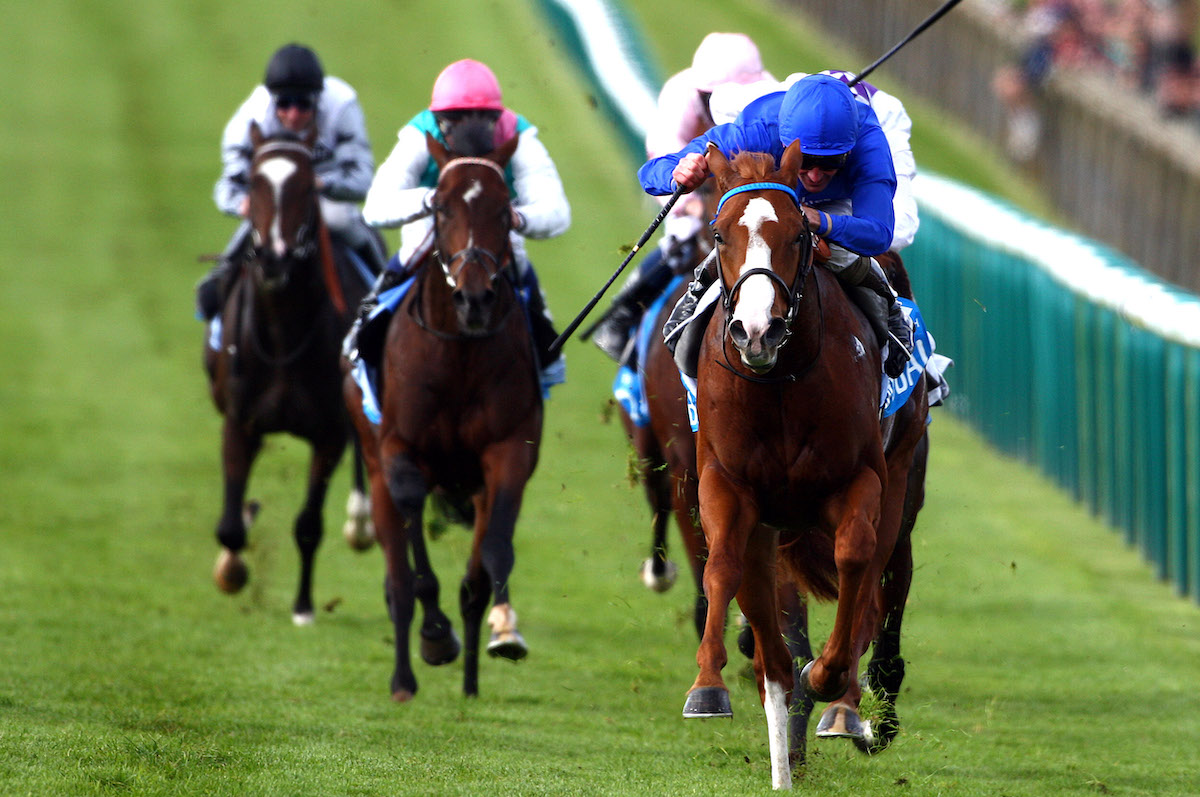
[
  {"x": 398, "y": 498},
  {"x": 238, "y": 451},
  {"x": 686, "y": 503},
  {"x": 310, "y": 527},
  {"x": 727, "y": 518},
  {"x": 854, "y": 514},
  {"x": 439, "y": 644},
  {"x": 658, "y": 571},
  {"x": 772, "y": 660}
]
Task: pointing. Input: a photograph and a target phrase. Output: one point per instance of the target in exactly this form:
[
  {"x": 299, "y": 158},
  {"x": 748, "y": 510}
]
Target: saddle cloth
[{"x": 893, "y": 392}]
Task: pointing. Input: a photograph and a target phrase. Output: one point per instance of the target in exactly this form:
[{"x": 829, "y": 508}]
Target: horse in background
[
  {"x": 273, "y": 356},
  {"x": 460, "y": 419},
  {"x": 801, "y": 488}
]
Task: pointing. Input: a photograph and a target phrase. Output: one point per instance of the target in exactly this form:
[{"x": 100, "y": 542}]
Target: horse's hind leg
[
  {"x": 358, "y": 529},
  {"x": 309, "y": 527},
  {"x": 238, "y": 451},
  {"x": 658, "y": 571}
]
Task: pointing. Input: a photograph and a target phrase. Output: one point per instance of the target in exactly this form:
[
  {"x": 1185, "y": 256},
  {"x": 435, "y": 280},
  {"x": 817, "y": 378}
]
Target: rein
[{"x": 794, "y": 292}]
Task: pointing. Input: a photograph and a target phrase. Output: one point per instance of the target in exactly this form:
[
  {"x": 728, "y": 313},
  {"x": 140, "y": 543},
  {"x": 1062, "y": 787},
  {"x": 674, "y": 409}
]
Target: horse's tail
[
  {"x": 897, "y": 274},
  {"x": 809, "y": 559}
]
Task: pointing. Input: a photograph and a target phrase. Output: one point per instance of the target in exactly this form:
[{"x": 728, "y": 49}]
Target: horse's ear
[
  {"x": 789, "y": 164},
  {"x": 256, "y": 135},
  {"x": 504, "y": 152},
  {"x": 718, "y": 164},
  {"x": 441, "y": 156}
]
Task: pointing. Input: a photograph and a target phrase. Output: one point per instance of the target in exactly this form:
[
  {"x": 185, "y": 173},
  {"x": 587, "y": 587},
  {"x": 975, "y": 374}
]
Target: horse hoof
[
  {"x": 805, "y": 684},
  {"x": 659, "y": 582},
  {"x": 436, "y": 652},
  {"x": 508, "y": 645},
  {"x": 707, "y": 701},
  {"x": 840, "y": 721},
  {"x": 303, "y": 619},
  {"x": 402, "y": 696},
  {"x": 230, "y": 572}
]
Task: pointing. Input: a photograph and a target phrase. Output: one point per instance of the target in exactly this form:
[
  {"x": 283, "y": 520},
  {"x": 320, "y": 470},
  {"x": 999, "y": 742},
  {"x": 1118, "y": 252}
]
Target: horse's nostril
[
  {"x": 776, "y": 332},
  {"x": 459, "y": 299},
  {"x": 737, "y": 333}
]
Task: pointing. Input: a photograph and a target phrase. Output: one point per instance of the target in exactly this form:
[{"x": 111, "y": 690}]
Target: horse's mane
[{"x": 754, "y": 165}]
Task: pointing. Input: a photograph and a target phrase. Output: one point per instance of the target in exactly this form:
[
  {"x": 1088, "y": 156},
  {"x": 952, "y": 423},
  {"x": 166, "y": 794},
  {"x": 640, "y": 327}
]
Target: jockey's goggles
[
  {"x": 826, "y": 163},
  {"x": 301, "y": 102}
]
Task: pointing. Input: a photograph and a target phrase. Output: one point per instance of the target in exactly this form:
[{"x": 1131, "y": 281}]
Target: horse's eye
[{"x": 717, "y": 237}]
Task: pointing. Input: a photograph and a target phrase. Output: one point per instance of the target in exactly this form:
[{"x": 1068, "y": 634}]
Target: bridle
[
  {"x": 471, "y": 254},
  {"x": 793, "y": 293},
  {"x": 307, "y": 233}
]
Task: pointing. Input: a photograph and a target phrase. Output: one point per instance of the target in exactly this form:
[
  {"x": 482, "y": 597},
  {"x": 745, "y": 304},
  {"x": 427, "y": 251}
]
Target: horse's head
[
  {"x": 472, "y": 221},
  {"x": 761, "y": 238},
  {"x": 283, "y": 204}
]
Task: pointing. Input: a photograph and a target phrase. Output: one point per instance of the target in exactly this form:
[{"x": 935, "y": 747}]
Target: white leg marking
[
  {"x": 775, "y": 706},
  {"x": 757, "y": 294}
]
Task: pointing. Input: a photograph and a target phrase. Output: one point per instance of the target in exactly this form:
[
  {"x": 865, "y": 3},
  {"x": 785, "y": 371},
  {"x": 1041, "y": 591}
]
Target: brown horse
[
  {"x": 461, "y": 416},
  {"x": 666, "y": 464},
  {"x": 800, "y": 484},
  {"x": 276, "y": 367}
]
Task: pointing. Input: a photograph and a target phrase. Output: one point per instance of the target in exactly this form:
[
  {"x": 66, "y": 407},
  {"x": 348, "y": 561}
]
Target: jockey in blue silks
[{"x": 845, "y": 186}]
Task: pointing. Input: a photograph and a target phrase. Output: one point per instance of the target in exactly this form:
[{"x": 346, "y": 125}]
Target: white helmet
[{"x": 726, "y": 58}]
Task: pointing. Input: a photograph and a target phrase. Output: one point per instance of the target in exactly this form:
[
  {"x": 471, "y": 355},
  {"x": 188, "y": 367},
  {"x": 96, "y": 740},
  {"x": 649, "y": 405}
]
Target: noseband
[{"x": 470, "y": 254}]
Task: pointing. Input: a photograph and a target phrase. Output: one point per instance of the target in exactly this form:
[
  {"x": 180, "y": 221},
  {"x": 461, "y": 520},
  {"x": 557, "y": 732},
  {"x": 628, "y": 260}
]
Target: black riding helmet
[{"x": 294, "y": 69}]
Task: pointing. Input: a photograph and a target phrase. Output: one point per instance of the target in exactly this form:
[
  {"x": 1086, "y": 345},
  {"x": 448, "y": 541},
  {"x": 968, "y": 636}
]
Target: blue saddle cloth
[
  {"x": 629, "y": 387},
  {"x": 366, "y": 373},
  {"x": 894, "y": 392}
]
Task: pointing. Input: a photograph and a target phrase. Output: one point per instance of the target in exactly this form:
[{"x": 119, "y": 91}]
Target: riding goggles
[
  {"x": 826, "y": 163},
  {"x": 301, "y": 102}
]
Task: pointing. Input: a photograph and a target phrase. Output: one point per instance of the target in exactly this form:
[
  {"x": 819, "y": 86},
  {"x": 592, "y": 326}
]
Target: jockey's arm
[
  {"x": 396, "y": 195},
  {"x": 232, "y": 187},
  {"x": 540, "y": 199},
  {"x": 348, "y": 175}
]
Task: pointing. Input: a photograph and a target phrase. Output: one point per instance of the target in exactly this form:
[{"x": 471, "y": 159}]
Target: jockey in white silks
[{"x": 295, "y": 97}]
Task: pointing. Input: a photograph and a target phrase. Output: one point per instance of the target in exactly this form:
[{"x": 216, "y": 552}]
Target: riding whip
[
  {"x": 917, "y": 31},
  {"x": 662, "y": 214}
]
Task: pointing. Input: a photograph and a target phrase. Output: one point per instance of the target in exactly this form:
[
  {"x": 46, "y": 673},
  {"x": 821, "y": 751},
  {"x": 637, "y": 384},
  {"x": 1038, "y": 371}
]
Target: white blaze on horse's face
[
  {"x": 277, "y": 171},
  {"x": 757, "y": 294},
  {"x": 472, "y": 193}
]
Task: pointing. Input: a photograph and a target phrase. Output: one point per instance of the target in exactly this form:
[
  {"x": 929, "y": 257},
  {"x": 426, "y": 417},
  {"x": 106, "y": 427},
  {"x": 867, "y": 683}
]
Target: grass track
[{"x": 1043, "y": 657}]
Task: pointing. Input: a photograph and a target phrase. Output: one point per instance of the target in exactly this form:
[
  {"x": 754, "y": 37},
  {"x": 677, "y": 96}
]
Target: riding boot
[
  {"x": 388, "y": 279},
  {"x": 701, "y": 279},
  {"x": 541, "y": 326},
  {"x": 214, "y": 286},
  {"x": 868, "y": 286},
  {"x": 613, "y": 331}
]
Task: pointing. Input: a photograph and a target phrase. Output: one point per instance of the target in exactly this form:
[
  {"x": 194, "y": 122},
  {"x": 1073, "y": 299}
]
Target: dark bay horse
[
  {"x": 276, "y": 367},
  {"x": 461, "y": 417},
  {"x": 801, "y": 487}
]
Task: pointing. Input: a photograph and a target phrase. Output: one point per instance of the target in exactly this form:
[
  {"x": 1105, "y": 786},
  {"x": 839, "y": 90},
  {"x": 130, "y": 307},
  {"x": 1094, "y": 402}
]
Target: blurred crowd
[{"x": 1147, "y": 46}]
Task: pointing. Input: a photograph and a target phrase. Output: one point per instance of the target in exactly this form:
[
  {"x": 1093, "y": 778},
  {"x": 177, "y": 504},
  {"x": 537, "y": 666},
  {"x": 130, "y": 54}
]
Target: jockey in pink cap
[{"x": 466, "y": 113}]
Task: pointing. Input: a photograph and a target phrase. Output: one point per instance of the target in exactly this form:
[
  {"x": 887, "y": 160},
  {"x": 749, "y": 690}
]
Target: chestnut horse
[
  {"x": 461, "y": 417},
  {"x": 273, "y": 360},
  {"x": 800, "y": 484}
]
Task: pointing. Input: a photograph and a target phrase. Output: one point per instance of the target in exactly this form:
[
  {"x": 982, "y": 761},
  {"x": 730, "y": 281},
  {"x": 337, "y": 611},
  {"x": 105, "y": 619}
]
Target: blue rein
[{"x": 787, "y": 189}]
